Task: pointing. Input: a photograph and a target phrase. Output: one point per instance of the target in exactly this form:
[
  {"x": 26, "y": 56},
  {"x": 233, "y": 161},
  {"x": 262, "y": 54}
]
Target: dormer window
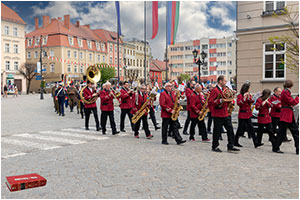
[
  {"x": 29, "y": 42},
  {"x": 71, "y": 42},
  {"x": 102, "y": 47},
  {"x": 79, "y": 42},
  {"x": 37, "y": 41},
  {"x": 89, "y": 44},
  {"x": 45, "y": 40},
  {"x": 97, "y": 46}
]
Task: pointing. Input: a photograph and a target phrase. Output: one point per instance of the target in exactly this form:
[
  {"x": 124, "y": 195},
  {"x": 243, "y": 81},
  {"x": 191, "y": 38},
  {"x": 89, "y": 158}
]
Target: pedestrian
[
  {"x": 5, "y": 91},
  {"x": 61, "y": 96},
  {"x": 15, "y": 91},
  {"x": 188, "y": 92},
  {"x": 287, "y": 118}
]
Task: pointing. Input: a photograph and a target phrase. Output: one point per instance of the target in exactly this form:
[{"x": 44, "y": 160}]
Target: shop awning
[{"x": 10, "y": 76}]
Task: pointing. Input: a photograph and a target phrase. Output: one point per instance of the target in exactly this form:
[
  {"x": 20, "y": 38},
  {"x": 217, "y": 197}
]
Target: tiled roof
[
  {"x": 10, "y": 15},
  {"x": 154, "y": 68},
  {"x": 107, "y": 36},
  {"x": 159, "y": 64}
]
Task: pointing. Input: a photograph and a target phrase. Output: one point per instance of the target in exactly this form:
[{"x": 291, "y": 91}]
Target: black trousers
[
  {"x": 245, "y": 124},
  {"x": 174, "y": 125},
  {"x": 219, "y": 122},
  {"x": 145, "y": 126},
  {"x": 269, "y": 129},
  {"x": 61, "y": 106},
  {"x": 87, "y": 112},
  {"x": 152, "y": 116},
  {"x": 187, "y": 122},
  {"x": 209, "y": 122},
  {"x": 283, "y": 126},
  {"x": 275, "y": 125},
  {"x": 123, "y": 115},
  {"x": 201, "y": 127},
  {"x": 104, "y": 115}
]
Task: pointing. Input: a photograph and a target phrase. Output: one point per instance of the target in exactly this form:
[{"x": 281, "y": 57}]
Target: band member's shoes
[
  {"x": 180, "y": 127},
  {"x": 258, "y": 145},
  {"x": 286, "y": 140},
  {"x": 192, "y": 139},
  {"x": 181, "y": 142},
  {"x": 185, "y": 133},
  {"x": 116, "y": 133},
  {"x": 232, "y": 149},
  {"x": 59, "y": 114},
  {"x": 149, "y": 136},
  {"x": 243, "y": 136},
  {"x": 63, "y": 115},
  {"x": 165, "y": 143},
  {"x": 216, "y": 150},
  {"x": 136, "y": 136},
  {"x": 238, "y": 145},
  {"x": 207, "y": 140},
  {"x": 297, "y": 151},
  {"x": 278, "y": 151},
  {"x": 103, "y": 133},
  {"x": 209, "y": 132},
  {"x": 87, "y": 128},
  {"x": 98, "y": 129},
  {"x": 123, "y": 130},
  {"x": 157, "y": 127}
]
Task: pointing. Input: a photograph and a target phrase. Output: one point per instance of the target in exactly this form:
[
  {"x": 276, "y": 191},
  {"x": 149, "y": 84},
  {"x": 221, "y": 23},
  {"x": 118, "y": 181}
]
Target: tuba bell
[{"x": 93, "y": 74}]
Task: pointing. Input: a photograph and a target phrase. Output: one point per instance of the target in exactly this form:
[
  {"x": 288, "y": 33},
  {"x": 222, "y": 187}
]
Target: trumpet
[{"x": 115, "y": 93}]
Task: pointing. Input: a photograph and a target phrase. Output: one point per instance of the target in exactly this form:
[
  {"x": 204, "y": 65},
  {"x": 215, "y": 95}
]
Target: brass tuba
[{"x": 93, "y": 74}]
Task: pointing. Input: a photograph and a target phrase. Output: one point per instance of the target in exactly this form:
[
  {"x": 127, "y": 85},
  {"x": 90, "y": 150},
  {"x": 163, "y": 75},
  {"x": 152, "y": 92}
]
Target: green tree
[
  {"x": 106, "y": 72},
  {"x": 291, "y": 39},
  {"x": 185, "y": 77}
]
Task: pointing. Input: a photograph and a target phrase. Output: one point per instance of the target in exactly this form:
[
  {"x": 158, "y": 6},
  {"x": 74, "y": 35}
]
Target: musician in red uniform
[
  {"x": 264, "y": 118},
  {"x": 219, "y": 112},
  {"x": 152, "y": 113},
  {"x": 142, "y": 97},
  {"x": 287, "y": 118},
  {"x": 125, "y": 105},
  {"x": 166, "y": 101},
  {"x": 275, "y": 111},
  {"x": 244, "y": 101},
  {"x": 188, "y": 91},
  {"x": 197, "y": 101},
  {"x": 88, "y": 93},
  {"x": 107, "y": 108},
  {"x": 209, "y": 117}
]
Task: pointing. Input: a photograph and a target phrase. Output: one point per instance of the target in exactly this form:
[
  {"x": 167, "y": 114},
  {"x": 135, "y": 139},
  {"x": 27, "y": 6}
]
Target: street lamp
[
  {"x": 198, "y": 61},
  {"x": 41, "y": 54}
]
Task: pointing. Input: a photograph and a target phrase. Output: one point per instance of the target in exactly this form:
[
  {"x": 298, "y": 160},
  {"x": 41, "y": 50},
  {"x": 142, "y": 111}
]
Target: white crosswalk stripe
[
  {"x": 50, "y": 138},
  {"x": 90, "y": 137},
  {"x": 8, "y": 153},
  {"x": 28, "y": 144}
]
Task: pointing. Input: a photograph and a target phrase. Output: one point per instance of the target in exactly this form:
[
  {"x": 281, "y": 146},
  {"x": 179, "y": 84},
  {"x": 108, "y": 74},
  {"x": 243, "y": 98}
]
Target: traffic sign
[{"x": 38, "y": 77}]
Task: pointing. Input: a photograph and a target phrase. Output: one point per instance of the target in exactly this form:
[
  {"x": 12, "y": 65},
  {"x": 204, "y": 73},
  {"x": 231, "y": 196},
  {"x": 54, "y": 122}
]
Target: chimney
[
  {"x": 67, "y": 21},
  {"x": 36, "y": 22},
  {"x": 77, "y": 24},
  {"x": 46, "y": 21},
  {"x": 88, "y": 26},
  {"x": 59, "y": 18}
]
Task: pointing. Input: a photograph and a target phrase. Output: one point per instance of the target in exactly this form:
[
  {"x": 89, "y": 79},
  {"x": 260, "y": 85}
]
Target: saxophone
[
  {"x": 140, "y": 113},
  {"x": 177, "y": 107},
  {"x": 204, "y": 109}
]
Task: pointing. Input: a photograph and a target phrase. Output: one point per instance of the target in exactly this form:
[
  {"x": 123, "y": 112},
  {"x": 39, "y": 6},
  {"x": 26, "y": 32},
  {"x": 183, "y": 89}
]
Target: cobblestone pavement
[{"x": 87, "y": 164}]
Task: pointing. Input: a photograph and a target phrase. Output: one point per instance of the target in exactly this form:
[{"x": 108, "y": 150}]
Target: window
[
  {"x": 16, "y": 65},
  {"x": 115, "y": 48},
  {"x": 6, "y": 30},
  {"x": 97, "y": 46},
  {"x": 221, "y": 72},
  {"x": 103, "y": 58},
  {"x": 75, "y": 54},
  {"x": 205, "y": 72},
  {"x": 110, "y": 47},
  {"x": 16, "y": 48},
  {"x": 280, "y": 5},
  {"x": 229, "y": 53},
  {"x": 81, "y": 55},
  {"x": 89, "y": 44},
  {"x": 110, "y": 60},
  {"x": 51, "y": 53},
  {"x": 44, "y": 67},
  {"x": 36, "y": 54},
  {"x": 69, "y": 68},
  {"x": 269, "y": 5},
  {"x": 52, "y": 68},
  {"x": 189, "y": 56},
  {"x": 15, "y": 31},
  {"x": 37, "y": 41},
  {"x": 29, "y": 42},
  {"x": 229, "y": 63},
  {"x": 205, "y": 46},
  {"x": 274, "y": 5},
  {"x": 7, "y": 65},
  {"x": 6, "y": 48},
  {"x": 81, "y": 69},
  {"x": 102, "y": 47},
  {"x": 28, "y": 55},
  {"x": 229, "y": 44},
  {"x": 69, "y": 54},
  {"x": 71, "y": 42},
  {"x": 75, "y": 68},
  {"x": 99, "y": 58},
  {"x": 211, "y": 72},
  {"x": 274, "y": 57},
  {"x": 79, "y": 42},
  {"x": 116, "y": 61},
  {"x": 91, "y": 57},
  {"x": 44, "y": 40}
]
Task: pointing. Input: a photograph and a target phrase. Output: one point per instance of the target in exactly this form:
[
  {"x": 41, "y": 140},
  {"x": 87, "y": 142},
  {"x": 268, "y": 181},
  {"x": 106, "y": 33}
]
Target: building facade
[
  {"x": 70, "y": 49},
  {"x": 220, "y": 58},
  {"x": 157, "y": 72},
  {"x": 258, "y": 60},
  {"x": 13, "y": 49}
]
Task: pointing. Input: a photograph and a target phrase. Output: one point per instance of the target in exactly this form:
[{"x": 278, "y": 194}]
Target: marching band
[{"x": 217, "y": 103}]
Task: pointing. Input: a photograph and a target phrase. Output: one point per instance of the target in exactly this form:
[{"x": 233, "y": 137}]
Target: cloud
[{"x": 194, "y": 18}]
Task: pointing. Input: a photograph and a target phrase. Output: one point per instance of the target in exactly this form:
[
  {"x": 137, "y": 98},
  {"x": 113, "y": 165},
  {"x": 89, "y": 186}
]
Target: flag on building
[
  {"x": 154, "y": 18},
  {"x": 172, "y": 20},
  {"x": 117, "y": 3}
]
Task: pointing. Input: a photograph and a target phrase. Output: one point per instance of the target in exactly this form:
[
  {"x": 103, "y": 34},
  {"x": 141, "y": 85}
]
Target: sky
[{"x": 197, "y": 18}]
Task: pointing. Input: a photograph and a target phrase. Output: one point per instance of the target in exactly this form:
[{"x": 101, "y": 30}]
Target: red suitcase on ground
[{"x": 22, "y": 182}]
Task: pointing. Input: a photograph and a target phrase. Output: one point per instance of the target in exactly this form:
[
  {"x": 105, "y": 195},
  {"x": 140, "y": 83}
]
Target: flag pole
[
  {"x": 145, "y": 42},
  {"x": 118, "y": 57},
  {"x": 166, "y": 41}
]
